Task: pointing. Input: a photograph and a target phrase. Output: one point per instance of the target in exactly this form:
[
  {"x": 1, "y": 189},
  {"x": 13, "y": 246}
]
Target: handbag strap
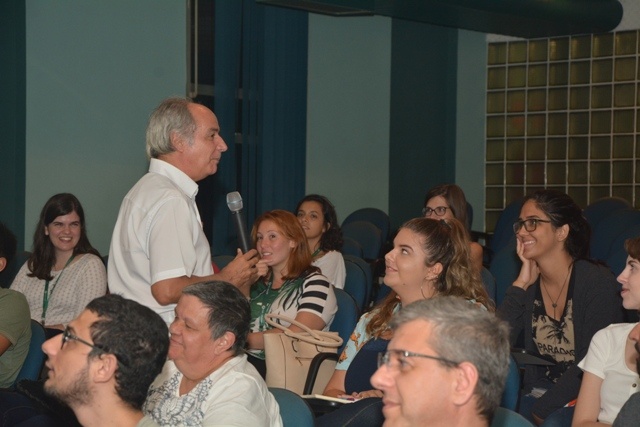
[{"x": 325, "y": 339}]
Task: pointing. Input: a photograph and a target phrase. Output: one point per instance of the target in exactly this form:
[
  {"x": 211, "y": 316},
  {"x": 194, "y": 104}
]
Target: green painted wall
[
  {"x": 94, "y": 72},
  {"x": 388, "y": 116},
  {"x": 422, "y": 111},
  {"x": 348, "y": 111},
  {"x": 470, "y": 120}
]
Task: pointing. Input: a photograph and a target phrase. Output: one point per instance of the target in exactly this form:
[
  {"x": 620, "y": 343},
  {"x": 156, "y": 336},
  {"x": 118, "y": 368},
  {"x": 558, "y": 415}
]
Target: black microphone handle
[{"x": 243, "y": 239}]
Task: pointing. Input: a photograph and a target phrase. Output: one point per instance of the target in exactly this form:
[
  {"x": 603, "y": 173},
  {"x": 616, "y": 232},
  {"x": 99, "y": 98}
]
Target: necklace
[{"x": 554, "y": 304}]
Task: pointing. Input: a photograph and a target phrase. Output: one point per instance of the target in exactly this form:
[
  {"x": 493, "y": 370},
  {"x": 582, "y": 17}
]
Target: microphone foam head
[{"x": 234, "y": 201}]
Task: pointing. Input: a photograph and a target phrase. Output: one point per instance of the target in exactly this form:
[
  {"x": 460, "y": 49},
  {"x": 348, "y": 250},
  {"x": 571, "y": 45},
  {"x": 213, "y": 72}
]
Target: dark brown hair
[{"x": 43, "y": 257}]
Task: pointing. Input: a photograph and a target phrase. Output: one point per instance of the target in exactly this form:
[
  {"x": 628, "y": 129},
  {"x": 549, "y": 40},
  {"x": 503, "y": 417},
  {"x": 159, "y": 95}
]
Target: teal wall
[
  {"x": 394, "y": 107},
  {"x": 422, "y": 111},
  {"x": 95, "y": 70},
  {"x": 348, "y": 111},
  {"x": 470, "y": 120}
]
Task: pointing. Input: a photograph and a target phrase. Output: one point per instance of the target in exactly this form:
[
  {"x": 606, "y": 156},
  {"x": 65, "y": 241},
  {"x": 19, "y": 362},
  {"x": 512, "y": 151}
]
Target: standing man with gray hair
[
  {"x": 446, "y": 365},
  {"x": 158, "y": 246}
]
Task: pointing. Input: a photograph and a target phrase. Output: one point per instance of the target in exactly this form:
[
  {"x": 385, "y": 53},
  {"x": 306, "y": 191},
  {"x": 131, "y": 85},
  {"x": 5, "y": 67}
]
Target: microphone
[{"x": 234, "y": 201}]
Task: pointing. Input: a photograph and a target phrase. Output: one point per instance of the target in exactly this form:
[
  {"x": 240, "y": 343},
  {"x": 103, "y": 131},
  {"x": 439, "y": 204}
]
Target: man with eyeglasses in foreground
[
  {"x": 446, "y": 365},
  {"x": 105, "y": 360},
  {"x": 101, "y": 366}
]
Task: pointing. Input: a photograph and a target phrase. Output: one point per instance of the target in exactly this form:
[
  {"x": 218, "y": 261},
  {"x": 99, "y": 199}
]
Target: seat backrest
[
  {"x": 489, "y": 282},
  {"x": 503, "y": 230},
  {"x": 295, "y": 412},
  {"x": 357, "y": 282},
  {"x": 507, "y": 418},
  {"x": 377, "y": 217},
  {"x": 35, "y": 357},
  {"x": 367, "y": 235},
  {"x": 505, "y": 267},
  {"x": 511, "y": 392},
  {"x": 346, "y": 317},
  {"x": 364, "y": 265},
  {"x": 600, "y": 209},
  {"x": 608, "y": 229},
  {"x": 351, "y": 247},
  {"x": 617, "y": 257},
  {"x": 221, "y": 261}
]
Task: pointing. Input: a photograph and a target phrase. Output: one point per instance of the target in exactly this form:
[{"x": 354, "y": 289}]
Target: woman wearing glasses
[
  {"x": 559, "y": 300},
  {"x": 429, "y": 258},
  {"x": 447, "y": 201}
]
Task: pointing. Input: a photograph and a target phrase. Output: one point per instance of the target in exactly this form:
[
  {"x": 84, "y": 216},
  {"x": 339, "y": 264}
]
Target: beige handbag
[{"x": 289, "y": 354}]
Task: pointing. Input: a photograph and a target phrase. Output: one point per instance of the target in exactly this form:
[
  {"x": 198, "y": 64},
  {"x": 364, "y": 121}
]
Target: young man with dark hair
[{"x": 105, "y": 360}]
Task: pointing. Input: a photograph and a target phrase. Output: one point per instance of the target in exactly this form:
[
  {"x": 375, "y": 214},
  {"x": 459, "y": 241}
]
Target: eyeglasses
[
  {"x": 67, "y": 335},
  {"x": 389, "y": 358},
  {"x": 529, "y": 224},
  {"x": 440, "y": 210}
]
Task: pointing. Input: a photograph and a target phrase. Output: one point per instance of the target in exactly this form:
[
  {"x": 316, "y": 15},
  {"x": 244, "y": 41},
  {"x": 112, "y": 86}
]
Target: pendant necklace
[{"x": 554, "y": 304}]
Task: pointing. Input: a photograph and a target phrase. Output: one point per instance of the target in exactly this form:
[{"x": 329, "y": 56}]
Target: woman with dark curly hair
[
  {"x": 64, "y": 272},
  {"x": 558, "y": 302},
  {"x": 318, "y": 219}
]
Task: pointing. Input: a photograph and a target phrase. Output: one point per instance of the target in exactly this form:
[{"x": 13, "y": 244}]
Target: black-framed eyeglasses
[
  {"x": 529, "y": 224},
  {"x": 389, "y": 358},
  {"x": 67, "y": 335},
  {"x": 440, "y": 210}
]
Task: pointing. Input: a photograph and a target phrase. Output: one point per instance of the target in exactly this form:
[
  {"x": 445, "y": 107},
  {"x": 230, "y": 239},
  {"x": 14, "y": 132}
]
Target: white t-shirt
[
  {"x": 332, "y": 266},
  {"x": 605, "y": 359}
]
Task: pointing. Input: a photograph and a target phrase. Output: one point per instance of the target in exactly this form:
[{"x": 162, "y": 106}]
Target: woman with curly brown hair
[{"x": 318, "y": 219}]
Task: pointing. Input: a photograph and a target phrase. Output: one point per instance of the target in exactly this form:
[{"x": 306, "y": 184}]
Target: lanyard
[
  {"x": 47, "y": 294},
  {"x": 316, "y": 252}
]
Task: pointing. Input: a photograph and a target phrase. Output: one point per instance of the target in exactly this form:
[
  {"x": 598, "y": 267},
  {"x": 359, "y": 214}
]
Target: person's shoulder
[
  {"x": 147, "y": 421},
  {"x": 314, "y": 275},
  {"x": 10, "y": 295},
  {"x": 616, "y": 329},
  {"x": 13, "y": 299},
  {"x": 92, "y": 259},
  {"x": 155, "y": 187},
  {"x": 590, "y": 268},
  {"x": 334, "y": 256}
]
